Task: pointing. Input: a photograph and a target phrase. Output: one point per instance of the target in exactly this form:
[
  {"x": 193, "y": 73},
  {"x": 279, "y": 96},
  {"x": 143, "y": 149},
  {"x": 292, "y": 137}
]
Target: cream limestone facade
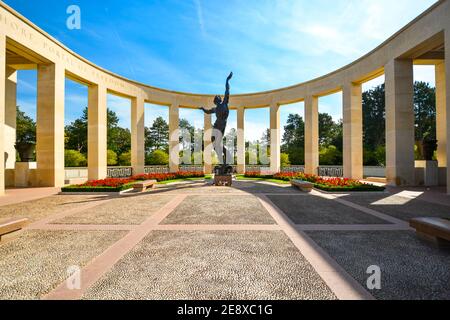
[{"x": 426, "y": 40}]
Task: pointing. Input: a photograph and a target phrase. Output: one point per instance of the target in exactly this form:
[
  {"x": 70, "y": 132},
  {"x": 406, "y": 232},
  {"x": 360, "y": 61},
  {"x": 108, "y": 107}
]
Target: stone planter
[
  {"x": 428, "y": 149},
  {"x": 26, "y": 151}
]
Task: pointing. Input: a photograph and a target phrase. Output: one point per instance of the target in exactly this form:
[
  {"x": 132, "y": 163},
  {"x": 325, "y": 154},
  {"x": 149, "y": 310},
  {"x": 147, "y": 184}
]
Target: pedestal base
[
  {"x": 223, "y": 181},
  {"x": 427, "y": 173}
]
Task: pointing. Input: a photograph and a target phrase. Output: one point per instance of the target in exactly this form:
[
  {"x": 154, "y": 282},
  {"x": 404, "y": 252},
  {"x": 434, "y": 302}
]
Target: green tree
[
  {"x": 330, "y": 155},
  {"x": 374, "y": 117},
  {"x": 119, "y": 139},
  {"x": 157, "y": 136},
  {"x": 125, "y": 159},
  {"x": 265, "y": 139},
  {"x": 326, "y": 129},
  {"x": 157, "y": 157},
  {"x": 74, "y": 158},
  {"x": 186, "y": 128},
  {"x": 76, "y": 134},
  {"x": 294, "y": 139},
  {"x": 25, "y": 128},
  {"x": 374, "y": 126},
  {"x": 284, "y": 160},
  {"x": 425, "y": 111}
]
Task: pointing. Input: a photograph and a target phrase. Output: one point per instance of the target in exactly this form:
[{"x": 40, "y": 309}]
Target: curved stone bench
[
  {"x": 436, "y": 230},
  {"x": 144, "y": 185},
  {"x": 11, "y": 225},
  {"x": 302, "y": 185}
]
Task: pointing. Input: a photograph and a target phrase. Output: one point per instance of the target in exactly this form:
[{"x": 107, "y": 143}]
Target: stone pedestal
[
  {"x": 24, "y": 174},
  {"x": 223, "y": 176},
  {"x": 427, "y": 173}
]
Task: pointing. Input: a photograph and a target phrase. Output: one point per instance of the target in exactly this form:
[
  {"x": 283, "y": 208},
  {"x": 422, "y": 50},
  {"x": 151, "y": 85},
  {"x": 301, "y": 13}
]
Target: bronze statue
[{"x": 222, "y": 112}]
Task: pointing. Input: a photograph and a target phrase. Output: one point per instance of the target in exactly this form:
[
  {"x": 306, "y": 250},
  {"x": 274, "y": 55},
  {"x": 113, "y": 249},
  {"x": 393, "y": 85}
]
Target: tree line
[
  {"x": 293, "y": 140},
  {"x": 374, "y": 126}
]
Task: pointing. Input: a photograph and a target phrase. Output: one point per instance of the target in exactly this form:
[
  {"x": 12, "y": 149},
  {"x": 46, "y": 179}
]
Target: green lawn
[
  {"x": 182, "y": 180},
  {"x": 242, "y": 177}
]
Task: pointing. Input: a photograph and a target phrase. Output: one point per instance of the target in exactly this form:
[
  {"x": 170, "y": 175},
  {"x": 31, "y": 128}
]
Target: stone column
[
  {"x": 447, "y": 105},
  {"x": 400, "y": 122},
  {"x": 241, "y": 140},
  {"x": 275, "y": 138},
  {"x": 441, "y": 124},
  {"x": 97, "y": 133},
  {"x": 50, "y": 125},
  {"x": 174, "y": 138},
  {"x": 353, "y": 131},
  {"x": 10, "y": 118},
  {"x": 137, "y": 135},
  {"x": 2, "y": 110},
  {"x": 311, "y": 135},
  {"x": 208, "y": 147}
]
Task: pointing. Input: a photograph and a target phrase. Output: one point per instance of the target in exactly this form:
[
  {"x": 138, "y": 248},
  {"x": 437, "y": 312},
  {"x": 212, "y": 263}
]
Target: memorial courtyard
[
  {"x": 255, "y": 240},
  {"x": 162, "y": 151}
]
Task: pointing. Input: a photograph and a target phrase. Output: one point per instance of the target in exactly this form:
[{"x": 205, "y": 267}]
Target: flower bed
[
  {"x": 104, "y": 185},
  {"x": 160, "y": 177},
  {"x": 325, "y": 184},
  {"x": 122, "y": 184}
]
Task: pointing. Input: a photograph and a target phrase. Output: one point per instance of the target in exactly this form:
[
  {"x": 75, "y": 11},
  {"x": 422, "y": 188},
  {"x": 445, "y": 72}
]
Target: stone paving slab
[
  {"x": 37, "y": 261},
  {"x": 244, "y": 187},
  {"x": 264, "y": 187},
  {"x": 39, "y": 209},
  {"x": 316, "y": 210},
  {"x": 410, "y": 268},
  {"x": 401, "y": 207},
  {"x": 193, "y": 187},
  {"x": 131, "y": 210},
  {"x": 210, "y": 210},
  {"x": 212, "y": 265}
]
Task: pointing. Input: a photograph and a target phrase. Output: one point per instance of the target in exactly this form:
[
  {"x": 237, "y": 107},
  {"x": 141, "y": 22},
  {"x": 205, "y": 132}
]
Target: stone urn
[
  {"x": 26, "y": 151},
  {"x": 428, "y": 149}
]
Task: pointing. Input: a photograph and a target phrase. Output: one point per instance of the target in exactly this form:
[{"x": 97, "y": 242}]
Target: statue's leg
[
  {"x": 218, "y": 148},
  {"x": 228, "y": 157}
]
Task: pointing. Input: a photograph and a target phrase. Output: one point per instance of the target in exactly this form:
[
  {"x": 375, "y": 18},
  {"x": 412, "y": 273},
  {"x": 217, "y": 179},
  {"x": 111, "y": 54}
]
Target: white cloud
[{"x": 201, "y": 21}]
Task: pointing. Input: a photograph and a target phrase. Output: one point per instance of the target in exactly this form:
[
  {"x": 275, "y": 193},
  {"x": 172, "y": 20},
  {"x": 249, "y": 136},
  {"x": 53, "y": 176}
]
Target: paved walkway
[
  {"x": 18, "y": 195},
  {"x": 252, "y": 241}
]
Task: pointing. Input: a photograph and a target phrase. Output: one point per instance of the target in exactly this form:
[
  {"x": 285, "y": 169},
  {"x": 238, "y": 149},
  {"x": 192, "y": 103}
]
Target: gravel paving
[
  {"x": 212, "y": 265},
  {"x": 131, "y": 210},
  {"x": 410, "y": 268},
  {"x": 211, "y": 210},
  {"x": 316, "y": 210},
  {"x": 237, "y": 187},
  {"x": 39, "y": 209},
  {"x": 400, "y": 207},
  {"x": 37, "y": 261}
]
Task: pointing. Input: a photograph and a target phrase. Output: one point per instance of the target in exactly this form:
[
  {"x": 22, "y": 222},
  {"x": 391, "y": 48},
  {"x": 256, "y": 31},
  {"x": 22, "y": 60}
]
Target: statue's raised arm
[
  {"x": 226, "y": 99},
  {"x": 210, "y": 111}
]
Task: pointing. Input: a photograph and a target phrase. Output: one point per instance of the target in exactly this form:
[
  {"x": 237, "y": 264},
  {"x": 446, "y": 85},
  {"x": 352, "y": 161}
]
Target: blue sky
[{"x": 191, "y": 45}]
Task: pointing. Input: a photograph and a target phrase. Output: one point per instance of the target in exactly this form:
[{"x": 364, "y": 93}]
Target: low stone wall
[
  {"x": 123, "y": 172},
  {"x": 327, "y": 171},
  {"x": 378, "y": 172}
]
